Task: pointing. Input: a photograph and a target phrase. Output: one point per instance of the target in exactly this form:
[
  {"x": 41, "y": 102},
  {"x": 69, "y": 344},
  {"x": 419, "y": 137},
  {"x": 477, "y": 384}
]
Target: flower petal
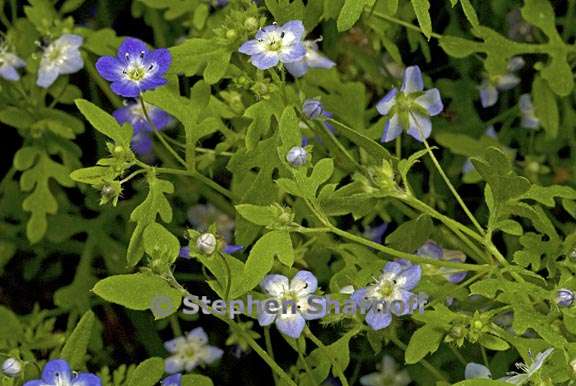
[
  {"x": 477, "y": 371},
  {"x": 175, "y": 344},
  {"x": 125, "y": 88},
  {"x": 410, "y": 277},
  {"x": 297, "y": 69},
  {"x": 294, "y": 53},
  {"x": 86, "y": 379},
  {"x": 304, "y": 283},
  {"x": 131, "y": 47},
  {"x": 266, "y": 318},
  {"x": 507, "y": 82},
  {"x": 56, "y": 371},
  {"x": 385, "y": 104},
  {"x": 264, "y": 61},
  {"x": 142, "y": 144},
  {"x": 290, "y": 324},
  {"x": 161, "y": 59},
  {"x": 431, "y": 101},
  {"x": 430, "y": 249},
  {"x": 173, "y": 364},
  {"x": 197, "y": 335},
  {"x": 173, "y": 380},
  {"x": 275, "y": 285},
  {"x": 109, "y": 68},
  {"x": 8, "y": 72},
  {"x": 392, "y": 129},
  {"x": 378, "y": 319},
  {"x": 294, "y": 26},
  {"x": 251, "y": 47},
  {"x": 70, "y": 40},
  {"x": 420, "y": 126},
  {"x": 412, "y": 81},
  {"x": 211, "y": 354},
  {"x": 488, "y": 94},
  {"x": 46, "y": 75}
]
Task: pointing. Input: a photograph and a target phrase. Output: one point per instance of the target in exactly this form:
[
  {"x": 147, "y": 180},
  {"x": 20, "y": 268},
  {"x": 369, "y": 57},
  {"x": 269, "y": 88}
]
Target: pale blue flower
[
  {"x": 388, "y": 375},
  {"x": 61, "y": 57},
  {"x": 564, "y": 297},
  {"x": 276, "y": 44},
  {"x": 9, "y": 64},
  {"x": 12, "y": 367},
  {"x": 190, "y": 351},
  {"x": 172, "y": 380},
  {"x": 410, "y": 108},
  {"x": 312, "y": 59},
  {"x": 57, "y": 372},
  {"x": 527, "y": 112},
  {"x": 394, "y": 286},
  {"x": 297, "y": 156},
  {"x": 477, "y": 371},
  {"x": 432, "y": 250},
  {"x": 491, "y": 86},
  {"x": 295, "y": 294}
]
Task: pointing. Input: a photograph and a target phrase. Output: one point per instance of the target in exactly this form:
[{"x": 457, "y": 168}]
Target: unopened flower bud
[
  {"x": 206, "y": 243},
  {"x": 297, "y": 156},
  {"x": 564, "y": 297},
  {"x": 231, "y": 34},
  {"x": 251, "y": 23},
  {"x": 12, "y": 367},
  {"x": 312, "y": 108},
  {"x": 108, "y": 192}
]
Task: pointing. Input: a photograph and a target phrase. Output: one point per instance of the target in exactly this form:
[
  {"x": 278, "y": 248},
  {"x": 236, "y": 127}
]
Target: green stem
[
  {"x": 269, "y": 348},
  {"x": 452, "y": 189},
  {"x": 327, "y": 353},
  {"x": 403, "y": 23}
]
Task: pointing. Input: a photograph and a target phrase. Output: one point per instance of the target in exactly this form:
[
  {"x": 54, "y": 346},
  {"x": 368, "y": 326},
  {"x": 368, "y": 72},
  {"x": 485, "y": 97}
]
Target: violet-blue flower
[
  {"x": 135, "y": 68},
  {"x": 9, "y": 63},
  {"x": 295, "y": 295},
  {"x": 276, "y": 44},
  {"x": 410, "y": 108},
  {"x": 392, "y": 288},
  {"x": 491, "y": 86},
  {"x": 432, "y": 250},
  {"x": 134, "y": 114},
  {"x": 527, "y": 112},
  {"x": 312, "y": 59},
  {"x": 190, "y": 351},
  {"x": 172, "y": 380},
  {"x": 60, "y": 57},
  {"x": 57, "y": 372}
]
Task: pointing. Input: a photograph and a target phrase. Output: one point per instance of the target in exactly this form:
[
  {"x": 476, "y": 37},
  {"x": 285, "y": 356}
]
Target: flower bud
[
  {"x": 108, "y": 192},
  {"x": 12, "y": 367},
  {"x": 564, "y": 297},
  {"x": 251, "y": 23},
  {"x": 312, "y": 108},
  {"x": 231, "y": 34},
  {"x": 206, "y": 243},
  {"x": 297, "y": 156}
]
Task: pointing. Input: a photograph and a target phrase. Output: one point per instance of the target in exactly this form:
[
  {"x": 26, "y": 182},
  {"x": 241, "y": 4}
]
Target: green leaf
[
  {"x": 424, "y": 341},
  {"x": 146, "y": 213},
  {"x": 201, "y": 55},
  {"x": 196, "y": 380},
  {"x": 470, "y": 13},
  {"x": 350, "y": 13},
  {"x": 421, "y": 9},
  {"x": 260, "y": 215},
  {"x": 140, "y": 291},
  {"x": 148, "y": 373},
  {"x": 104, "y": 122},
  {"x": 410, "y": 235},
  {"x": 373, "y": 148},
  {"x": 160, "y": 244},
  {"x": 93, "y": 175},
  {"x": 545, "y": 107},
  {"x": 10, "y": 327},
  {"x": 481, "y": 382},
  {"x": 546, "y": 194},
  {"x": 492, "y": 342},
  {"x": 74, "y": 351}
]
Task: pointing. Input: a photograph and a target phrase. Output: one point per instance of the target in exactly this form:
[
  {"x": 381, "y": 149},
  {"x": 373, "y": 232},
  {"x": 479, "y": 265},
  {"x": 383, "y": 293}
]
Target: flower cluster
[{"x": 190, "y": 351}]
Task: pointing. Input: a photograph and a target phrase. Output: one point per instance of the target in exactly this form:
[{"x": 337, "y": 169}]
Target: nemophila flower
[
  {"x": 312, "y": 59},
  {"x": 135, "y": 68},
  {"x": 293, "y": 305},
  {"x": 388, "y": 375},
  {"x": 57, "y": 372},
  {"x": 190, "y": 352},
  {"x": 314, "y": 109},
  {"x": 276, "y": 44},
  {"x": 297, "y": 156},
  {"x": 376, "y": 233},
  {"x": 491, "y": 86},
  {"x": 436, "y": 252},
  {"x": 206, "y": 243},
  {"x": 134, "y": 114},
  {"x": 9, "y": 63},
  {"x": 60, "y": 57},
  {"x": 564, "y": 297},
  {"x": 172, "y": 380},
  {"x": 410, "y": 108},
  {"x": 527, "y": 112},
  {"x": 475, "y": 370},
  {"x": 390, "y": 294},
  {"x": 11, "y": 367}
]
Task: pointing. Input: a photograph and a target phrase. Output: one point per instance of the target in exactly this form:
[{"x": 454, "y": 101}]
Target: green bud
[
  {"x": 231, "y": 34},
  {"x": 251, "y": 23}
]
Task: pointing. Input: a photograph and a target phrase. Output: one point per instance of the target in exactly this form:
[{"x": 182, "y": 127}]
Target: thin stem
[
  {"x": 205, "y": 180},
  {"x": 228, "y": 277},
  {"x": 452, "y": 189},
  {"x": 327, "y": 353},
  {"x": 423, "y": 362},
  {"x": 269, "y": 348},
  {"x": 458, "y": 355},
  {"x": 403, "y": 23},
  {"x": 399, "y": 147},
  {"x": 175, "y": 325}
]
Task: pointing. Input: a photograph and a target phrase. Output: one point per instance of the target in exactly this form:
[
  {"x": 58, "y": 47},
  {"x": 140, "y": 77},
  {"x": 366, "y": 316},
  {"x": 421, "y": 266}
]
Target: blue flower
[
  {"x": 9, "y": 63},
  {"x": 190, "y": 351},
  {"x": 274, "y": 44},
  {"x": 410, "y": 108},
  {"x": 132, "y": 113},
  {"x": 394, "y": 286},
  {"x": 297, "y": 156},
  {"x": 527, "y": 112},
  {"x": 477, "y": 371},
  {"x": 376, "y": 233},
  {"x": 312, "y": 59},
  {"x": 490, "y": 86},
  {"x": 436, "y": 252},
  {"x": 61, "y": 57},
  {"x": 135, "y": 68},
  {"x": 57, "y": 372},
  {"x": 172, "y": 380},
  {"x": 565, "y": 297},
  {"x": 295, "y": 295}
]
